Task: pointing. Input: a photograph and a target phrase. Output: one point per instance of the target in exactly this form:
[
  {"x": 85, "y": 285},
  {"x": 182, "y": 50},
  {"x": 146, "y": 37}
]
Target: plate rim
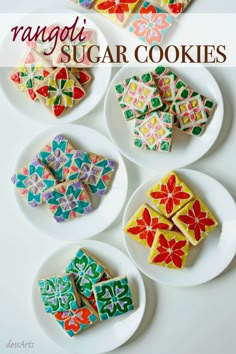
[
  {"x": 71, "y": 246},
  {"x": 167, "y": 283}
]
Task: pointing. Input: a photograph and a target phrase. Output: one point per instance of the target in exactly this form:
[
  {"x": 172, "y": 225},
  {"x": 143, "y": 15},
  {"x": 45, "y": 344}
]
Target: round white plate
[
  {"x": 210, "y": 257},
  {"x": 104, "y": 336},
  {"x": 35, "y": 110},
  {"x": 185, "y": 149},
  {"x": 103, "y": 215}
]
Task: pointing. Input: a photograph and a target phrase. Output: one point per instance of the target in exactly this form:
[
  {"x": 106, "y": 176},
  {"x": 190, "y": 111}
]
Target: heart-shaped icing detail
[
  {"x": 43, "y": 91},
  {"x": 15, "y": 77},
  {"x": 30, "y": 59},
  {"x": 62, "y": 74},
  {"x": 175, "y": 8},
  {"x": 83, "y": 78},
  {"x": 58, "y": 110},
  {"x": 32, "y": 94},
  {"x": 45, "y": 73},
  {"x": 78, "y": 93}
]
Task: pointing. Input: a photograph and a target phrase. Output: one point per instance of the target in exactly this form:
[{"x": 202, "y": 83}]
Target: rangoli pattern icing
[
  {"x": 118, "y": 11},
  {"x": 138, "y": 95},
  {"x": 175, "y": 7},
  {"x": 144, "y": 224},
  {"x": 68, "y": 200},
  {"x": 30, "y": 74},
  {"x": 151, "y": 24},
  {"x": 57, "y": 155},
  {"x": 95, "y": 171},
  {"x": 195, "y": 221},
  {"x": 170, "y": 194},
  {"x": 86, "y": 272},
  {"x": 169, "y": 249},
  {"x": 60, "y": 92},
  {"x": 58, "y": 294},
  {"x": 192, "y": 111},
  {"x": 153, "y": 131},
  {"x": 32, "y": 181},
  {"x": 113, "y": 298},
  {"x": 82, "y": 75},
  {"x": 75, "y": 321},
  {"x": 91, "y": 298}
]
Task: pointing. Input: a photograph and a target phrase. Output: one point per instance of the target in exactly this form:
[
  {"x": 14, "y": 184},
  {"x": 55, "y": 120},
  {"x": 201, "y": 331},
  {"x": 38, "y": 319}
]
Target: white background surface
[{"x": 182, "y": 321}]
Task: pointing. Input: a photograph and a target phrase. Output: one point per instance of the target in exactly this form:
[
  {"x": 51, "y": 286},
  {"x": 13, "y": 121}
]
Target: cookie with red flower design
[
  {"x": 144, "y": 224},
  {"x": 170, "y": 194},
  {"x": 169, "y": 249},
  {"x": 175, "y": 7},
  {"x": 195, "y": 221}
]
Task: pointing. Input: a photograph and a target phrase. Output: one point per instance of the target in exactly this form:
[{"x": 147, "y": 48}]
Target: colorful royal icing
[
  {"x": 32, "y": 181},
  {"x": 75, "y": 321},
  {"x": 86, "y": 272},
  {"x": 175, "y": 7},
  {"x": 57, "y": 155},
  {"x": 91, "y": 298},
  {"x": 30, "y": 74},
  {"x": 170, "y": 194},
  {"x": 82, "y": 75},
  {"x": 60, "y": 92},
  {"x": 137, "y": 96},
  {"x": 117, "y": 11},
  {"x": 113, "y": 298},
  {"x": 144, "y": 224},
  {"x": 169, "y": 249},
  {"x": 192, "y": 111},
  {"x": 58, "y": 294},
  {"x": 68, "y": 200},
  {"x": 195, "y": 221},
  {"x": 151, "y": 24},
  {"x": 153, "y": 131},
  {"x": 95, "y": 171}
]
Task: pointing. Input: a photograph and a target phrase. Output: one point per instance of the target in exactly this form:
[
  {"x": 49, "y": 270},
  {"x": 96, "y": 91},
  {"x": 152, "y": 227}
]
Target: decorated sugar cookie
[
  {"x": 86, "y": 271},
  {"x": 30, "y": 74},
  {"x": 192, "y": 111},
  {"x": 94, "y": 170},
  {"x": 170, "y": 194},
  {"x": 169, "y": 249},
  {"x": 151, "y": 24},
  {"x": 32, "y": 181},
  {"x": 195, "y": 221},
  {"x": 59, "y": 294},
  {"x": 82, "y": 75},
  {"x": 153, "y": 131},
  {"x": 175, "y": 7},
  {"x": 68, "y": 200},
  {"x": 144, "y": 224},
  {"x": 137, "y": 96},
  {"x": 113, "y": 298},
  {"x": 75, "y": 321},
  {"x": 57, "y": 155},
  {"x": 60, "y": 92},
  {"x": 118, "y": 11},
  {"x": 91, "y": 298}
]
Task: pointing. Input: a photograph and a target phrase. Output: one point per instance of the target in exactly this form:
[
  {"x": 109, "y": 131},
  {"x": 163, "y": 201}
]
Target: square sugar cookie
[
  {"x": 195, "y": 221},
  {"x": 170, "y": 194},
  {"x": 60, "y": 92},
  {"x": 75, "y": 321},
  {"x": 192, "y": 111},
  {"x": 57, "y": 155},
  {"x": 138, "y": 95},
  {"x": 151, "y": 24},
  {"x": 95, "y": 171},
  {"x": 168, "y": 84},
  {"x": 59, "y": 294},
  {"x": 169, "y": 249},
  {"x": 32, "y": 181},
  {"x": 113, "y": 297},
  {"x": 91, "y": 298},
  {"x": 174, "y": 7},
  {"x": 30, "y": 74},
  {"x": 86, "y": 271},
  {"x": 144, "y": 224},
  {"x": 118, "y": 11},
  {"x": 153, "y": 131},
  {"x": 68, "y": 200}
]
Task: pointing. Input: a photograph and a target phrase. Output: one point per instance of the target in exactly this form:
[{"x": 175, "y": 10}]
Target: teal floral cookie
[{"x": 113, "y": 298}]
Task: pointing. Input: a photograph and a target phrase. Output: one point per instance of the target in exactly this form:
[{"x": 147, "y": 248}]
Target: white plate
[
  {"x": 105, "y": 336},
  {"x": 185, "y": 149},
  {"x": 36, "y": 111},
  {"x": 213, "y": 255},
  {"x": 103, "y": 215}
]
